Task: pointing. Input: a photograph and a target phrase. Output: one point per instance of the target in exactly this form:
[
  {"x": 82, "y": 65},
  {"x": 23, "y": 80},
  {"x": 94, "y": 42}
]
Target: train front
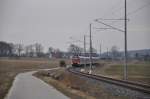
[{"x": 75, "y": 61}]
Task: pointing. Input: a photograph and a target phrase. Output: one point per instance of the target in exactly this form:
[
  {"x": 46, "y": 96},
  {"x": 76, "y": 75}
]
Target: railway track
[{"x": 127, "y": 84}]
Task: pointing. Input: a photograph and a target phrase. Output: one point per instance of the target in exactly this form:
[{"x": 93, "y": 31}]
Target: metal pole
[
  {"x": 100, "y": 51},
  {"x": 84, "y": 51},
  {"x": 125, "y": 38},
  {"x": 107, "y": 53},
  {"x": 90, "y": 52}
]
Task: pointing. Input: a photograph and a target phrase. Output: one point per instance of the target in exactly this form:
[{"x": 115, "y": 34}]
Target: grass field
[
  {"x": 9, "y": 68},
  {"x": 139, "y": 71}
]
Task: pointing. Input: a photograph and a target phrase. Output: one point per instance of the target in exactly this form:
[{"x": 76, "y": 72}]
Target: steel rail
[{"x": 127, "y": 84}]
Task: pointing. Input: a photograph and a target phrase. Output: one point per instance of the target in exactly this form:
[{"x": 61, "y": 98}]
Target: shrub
[{"x": 62, "y": 63}]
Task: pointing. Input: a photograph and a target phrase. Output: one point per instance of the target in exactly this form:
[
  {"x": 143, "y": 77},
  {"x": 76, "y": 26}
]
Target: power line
[
  {"x": 138, "y": 9},
  {"x": 128, "y": 14},
  {"x": 125, "y": 37},
  {"x": 113, "y": 7},
  {"x": 118, "y": 9},
  {"x": 111, "y": 19},
  {"x": 112, "y": 27},
  {"x": 135, "y": 11}
]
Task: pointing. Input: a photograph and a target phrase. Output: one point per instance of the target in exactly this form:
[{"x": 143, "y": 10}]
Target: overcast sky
[{"x": 54, "y": 22}]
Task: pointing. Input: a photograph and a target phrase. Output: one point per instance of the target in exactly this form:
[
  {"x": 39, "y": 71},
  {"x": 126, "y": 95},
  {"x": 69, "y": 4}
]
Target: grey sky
[{"x": 52, "y": 22}]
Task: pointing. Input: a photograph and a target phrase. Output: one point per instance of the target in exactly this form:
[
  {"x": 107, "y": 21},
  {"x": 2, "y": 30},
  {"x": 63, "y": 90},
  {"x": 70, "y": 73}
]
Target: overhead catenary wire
[
  {"x": 114, "y": 9},
  {"x": 125, "y": 35},
  {"x": 112, "y": 27},
  {"x": 133, "y": 12},
  {"x": 128, "y": 14},
  {"x": 138, "y": 9}
]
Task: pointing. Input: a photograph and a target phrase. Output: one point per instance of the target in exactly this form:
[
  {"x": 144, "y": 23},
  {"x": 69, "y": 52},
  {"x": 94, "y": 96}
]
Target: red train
[{"x": 81, "y": 60}]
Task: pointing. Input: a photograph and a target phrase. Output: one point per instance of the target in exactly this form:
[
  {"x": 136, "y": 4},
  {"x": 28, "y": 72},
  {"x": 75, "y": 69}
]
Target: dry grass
[
  {"x": 9, "y": 68},
  {"x": 72, "y": 93},
  {"x": 74, "y": 86},
  {"x": 137, "y": 71}
]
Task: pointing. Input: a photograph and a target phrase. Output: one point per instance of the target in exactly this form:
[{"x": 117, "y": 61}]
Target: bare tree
[
  {"x": 12, "y": 51},
  {"x": 58, "y": 53},
  {"x": 38, "y": 49},
  {"x": 93, "y": 50},
  {"x": 19, "y": 49},
  {"x": 74, "y": 49},
  {"x": 32, "y": 51},
  {"x": 29, "y": 50},
  {"x": 115, "y": 52},
  {"x": 5, "y": 49},
  {"x": 50, "y": 50}
]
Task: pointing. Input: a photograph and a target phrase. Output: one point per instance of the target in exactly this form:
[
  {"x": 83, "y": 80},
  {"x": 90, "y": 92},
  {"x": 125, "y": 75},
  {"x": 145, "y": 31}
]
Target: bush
[{"x": 62, "y": 63}]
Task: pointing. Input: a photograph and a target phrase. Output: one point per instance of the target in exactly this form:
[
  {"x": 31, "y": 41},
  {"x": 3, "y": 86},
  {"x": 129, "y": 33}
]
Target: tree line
[
  {"x": 19, "y": 50},
  {"x": 36, "y": 50}
]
